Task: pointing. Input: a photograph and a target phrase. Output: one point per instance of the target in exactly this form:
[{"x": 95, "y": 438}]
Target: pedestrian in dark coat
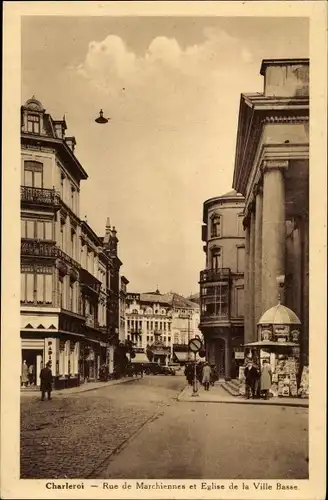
[
  {"x": 251, "y": 375},
  {"x": 46, "y": 381}
]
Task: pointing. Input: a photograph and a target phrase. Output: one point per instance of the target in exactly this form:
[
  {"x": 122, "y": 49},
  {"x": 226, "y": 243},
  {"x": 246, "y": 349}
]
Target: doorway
[
  {"x": 34, "y": 361},
  {"x": 220, "y": 357}
]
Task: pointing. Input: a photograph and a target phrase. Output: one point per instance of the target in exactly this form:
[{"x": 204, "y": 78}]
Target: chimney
[
  {"x": 71, "y": 143},
  {"x": 285, "y": 77}
]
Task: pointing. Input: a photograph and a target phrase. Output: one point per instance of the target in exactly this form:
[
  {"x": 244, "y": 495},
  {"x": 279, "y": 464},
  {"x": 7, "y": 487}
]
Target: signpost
[{"x": 195, "y": 345}]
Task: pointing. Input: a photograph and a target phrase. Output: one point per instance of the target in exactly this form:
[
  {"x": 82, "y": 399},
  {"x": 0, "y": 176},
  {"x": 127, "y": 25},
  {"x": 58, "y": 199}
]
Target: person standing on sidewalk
[
  {"x": 46, "y": 381},
  {"x": 251, "y": 374},
  {"x": 266, "y": 378},
  {"x": 24, "y": 378},
  {"x": 206, "y": 376}
]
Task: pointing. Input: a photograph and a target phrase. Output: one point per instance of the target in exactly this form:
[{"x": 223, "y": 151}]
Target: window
[
  {"x": 73, "y": 243},
  {"x": 61, "y": 292},
  {"x": 169, "y": 326},
  {"x": 216, "y": 258},
  {"x": 147, "y": 338},
  {"x": 33, "y": 124},
  {"x": 169, "y": 339},
  {"x": 33, "y": 174},
  {"x": 216, "y": 226},
  {"x": 36, "y": 229},
  {"x": 72, "y": 198},
  {"x": 62, "y": 179},
  {"x": 240, "y": 301},
  {"x": 71, "y": 296},
  {"x": 240, "y": 259},
  {"x": 62, "y": 226},
  {"x": 37, "y": 285},
  {"x": 240, "y": 227}
]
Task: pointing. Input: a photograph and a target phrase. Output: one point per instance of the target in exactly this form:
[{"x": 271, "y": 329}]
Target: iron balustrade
[
  {"x": 208, "y": 275},
  {"x": 39, "y": 196},
  {"x": 38, "y": 248}
]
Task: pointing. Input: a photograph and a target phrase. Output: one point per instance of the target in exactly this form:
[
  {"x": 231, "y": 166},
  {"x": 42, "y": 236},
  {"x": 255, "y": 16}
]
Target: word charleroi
[{"x": 160, "y": 485}]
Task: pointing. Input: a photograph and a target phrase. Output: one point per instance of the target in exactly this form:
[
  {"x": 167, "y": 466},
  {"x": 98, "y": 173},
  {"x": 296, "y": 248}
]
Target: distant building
[
  {"x": 158, "y": 322},
  {"x": 222, "y": 282},
  {"x": 69, "y": 275},
  {"x": 272, "y": 172}
]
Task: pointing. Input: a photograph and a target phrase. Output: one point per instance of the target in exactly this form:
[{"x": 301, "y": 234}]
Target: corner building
[
  {"x": 222, "y": 282},
  {"x": 68, "y": 273},
  {"x": 272, "y": 172}
]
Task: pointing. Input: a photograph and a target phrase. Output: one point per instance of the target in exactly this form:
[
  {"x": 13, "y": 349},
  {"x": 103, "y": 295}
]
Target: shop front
[{"x": 279, "y": 344}]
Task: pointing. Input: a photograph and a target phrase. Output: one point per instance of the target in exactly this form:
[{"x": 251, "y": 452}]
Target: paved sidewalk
[
  {"x": 217, "y": 394},
  {"x": 88, "y": 386}
]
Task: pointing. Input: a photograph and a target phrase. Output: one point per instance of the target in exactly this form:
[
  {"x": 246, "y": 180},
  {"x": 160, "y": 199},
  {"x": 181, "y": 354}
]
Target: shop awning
[
  {"x": 181, "y": 356},
  {"x": 141, "y": 357},
  {"x": 269, "y": 343}
]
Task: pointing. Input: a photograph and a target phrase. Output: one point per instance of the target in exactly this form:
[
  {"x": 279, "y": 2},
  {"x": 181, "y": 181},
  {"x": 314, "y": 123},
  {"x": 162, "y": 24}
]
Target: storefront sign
[
  {"x": 282, "y": 330},
  {"x": 239, "y": 355}
]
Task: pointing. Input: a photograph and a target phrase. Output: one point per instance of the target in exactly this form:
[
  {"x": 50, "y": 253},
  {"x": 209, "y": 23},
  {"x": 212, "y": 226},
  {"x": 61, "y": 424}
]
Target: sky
[{"x": 171, "y": 86}]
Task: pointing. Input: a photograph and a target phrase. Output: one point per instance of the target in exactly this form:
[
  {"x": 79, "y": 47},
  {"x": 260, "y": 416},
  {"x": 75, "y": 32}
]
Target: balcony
[
  {"x": 210, "y": 275},
  {"x": 39, "y": 197},
  {"x": 38, "y": 248},
  {"x": 89, "y": 282},
  {"x": 66, "y": 258}
]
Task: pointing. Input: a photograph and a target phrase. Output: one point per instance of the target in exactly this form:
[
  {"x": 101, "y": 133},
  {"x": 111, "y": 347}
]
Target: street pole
[{"x": 195, "y": 384}]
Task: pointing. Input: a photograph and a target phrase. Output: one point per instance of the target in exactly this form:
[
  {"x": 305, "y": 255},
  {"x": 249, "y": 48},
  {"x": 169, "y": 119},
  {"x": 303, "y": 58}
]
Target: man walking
[
  {"x": 206, "y": 376},
  {"x": 46, "y": 381}
]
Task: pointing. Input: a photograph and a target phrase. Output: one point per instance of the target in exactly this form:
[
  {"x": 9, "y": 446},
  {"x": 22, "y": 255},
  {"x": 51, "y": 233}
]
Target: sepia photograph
[{"x": 165, "y": 276}]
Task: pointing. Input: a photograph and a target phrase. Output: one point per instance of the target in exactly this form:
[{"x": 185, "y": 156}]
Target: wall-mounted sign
[
  {"x": 281, "y": 330},
  {"x": 265, "y": 332},
  {"x": 239, "y": 355}
]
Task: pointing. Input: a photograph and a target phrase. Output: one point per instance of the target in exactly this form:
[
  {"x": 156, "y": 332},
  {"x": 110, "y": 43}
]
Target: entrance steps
[{"x": 230, "y": 386}]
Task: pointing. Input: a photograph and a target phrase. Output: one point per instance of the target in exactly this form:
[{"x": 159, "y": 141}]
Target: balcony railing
[
  {"x": 209, "y": 275},
  {"x": 39, "y": 196},
  {"x": 38, "y": 248}
]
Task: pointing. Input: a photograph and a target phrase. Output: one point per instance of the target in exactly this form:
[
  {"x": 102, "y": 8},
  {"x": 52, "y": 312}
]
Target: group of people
[
  {"x": 27, "y": 376},
  {"x": 258, "y": 379},
  {"x": 205, "y": 374}
]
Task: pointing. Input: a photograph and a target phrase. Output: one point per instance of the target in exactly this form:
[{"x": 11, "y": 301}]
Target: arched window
[{"x": 216, "y": 226}]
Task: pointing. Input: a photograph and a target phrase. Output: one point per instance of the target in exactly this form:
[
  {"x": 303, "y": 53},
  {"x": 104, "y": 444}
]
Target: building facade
[
  {"x": 222, "y": 282},
  {"x": 272, "y": 172},
  {"x": 158, "y": 323},
  {"x": 65, "y": 286},
  {"x": 123, "y": 294}
]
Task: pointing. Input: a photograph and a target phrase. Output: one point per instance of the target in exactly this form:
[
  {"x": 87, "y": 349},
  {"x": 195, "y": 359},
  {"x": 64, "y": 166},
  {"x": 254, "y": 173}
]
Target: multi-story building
[
  {"x": 222, "y": 282},
  {"x": 161, "y": 324},
  {"x": 272, "y": 172},
  {"x": 64, "y": 265}
]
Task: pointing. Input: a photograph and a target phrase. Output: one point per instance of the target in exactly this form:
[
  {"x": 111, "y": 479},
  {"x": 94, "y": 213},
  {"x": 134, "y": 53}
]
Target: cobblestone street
[
  {"x": 87, "y": 435},
  {"x": 71, "y": 436}
]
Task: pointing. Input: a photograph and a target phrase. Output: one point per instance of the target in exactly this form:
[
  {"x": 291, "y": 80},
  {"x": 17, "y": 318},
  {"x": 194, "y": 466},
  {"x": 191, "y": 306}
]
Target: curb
[
  {"x": 64, "y": 392},
  {"x": 183, "y": 399}
]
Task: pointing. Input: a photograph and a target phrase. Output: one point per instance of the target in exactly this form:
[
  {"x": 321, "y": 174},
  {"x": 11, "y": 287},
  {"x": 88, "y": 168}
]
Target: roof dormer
[{"x": 32, "y": 114}]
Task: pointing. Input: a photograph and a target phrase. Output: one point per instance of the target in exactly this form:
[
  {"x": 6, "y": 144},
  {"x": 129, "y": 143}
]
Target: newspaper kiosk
[{"x": 279, "y": 343}]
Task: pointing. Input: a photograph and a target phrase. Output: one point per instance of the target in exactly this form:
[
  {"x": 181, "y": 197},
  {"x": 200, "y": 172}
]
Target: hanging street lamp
[{"x": 101, "y": 118}]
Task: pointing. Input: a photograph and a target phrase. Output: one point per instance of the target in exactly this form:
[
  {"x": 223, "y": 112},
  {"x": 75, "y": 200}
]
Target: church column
[
  {"x": 273, "y": 230},
  {"x": 246, "y": 283},
  {"x": 251, "y": 278},
  {"x": 258, "y": 253}
]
